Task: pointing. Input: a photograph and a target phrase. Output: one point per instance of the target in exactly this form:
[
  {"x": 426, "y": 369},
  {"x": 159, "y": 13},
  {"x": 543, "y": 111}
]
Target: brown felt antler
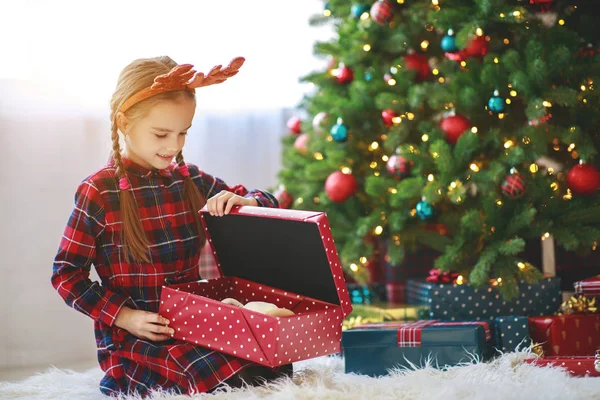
[
  {"x": 217, "y": 74},
  {"x": 183, "y": 77}
]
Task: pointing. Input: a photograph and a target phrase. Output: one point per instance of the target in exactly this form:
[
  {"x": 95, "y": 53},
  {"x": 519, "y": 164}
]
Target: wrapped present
[
  {"x": 374, "y": 349},
  {"x": 567, "y": 335},
  {"x": 396, "y": 292},
  {"x": 511, "y": 333},
  {"x": 458, "y": 302},
  {"x": 382, "y": 312},
  {"x": 360, "y": 294},
  {"x": 588, "y": 287},
  {"x": 283, "y": 257},
  {"x": 367, "y": 294},
  {"x": 576, "y": 366}
]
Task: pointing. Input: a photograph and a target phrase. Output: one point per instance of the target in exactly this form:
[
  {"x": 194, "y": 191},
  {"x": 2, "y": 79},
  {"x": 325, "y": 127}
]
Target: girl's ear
[{"x": 122, "y": 122}]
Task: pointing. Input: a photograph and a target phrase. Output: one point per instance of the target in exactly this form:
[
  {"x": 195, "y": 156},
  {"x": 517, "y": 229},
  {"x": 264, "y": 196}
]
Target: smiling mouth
[{"x": 167, "y": 156}]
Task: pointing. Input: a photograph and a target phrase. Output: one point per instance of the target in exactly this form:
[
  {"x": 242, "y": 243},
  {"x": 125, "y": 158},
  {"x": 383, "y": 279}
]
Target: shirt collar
[{"x": 133, "y": 168}]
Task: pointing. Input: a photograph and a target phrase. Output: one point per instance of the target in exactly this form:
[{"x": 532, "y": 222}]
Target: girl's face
[{"x": 155, "y": 140}]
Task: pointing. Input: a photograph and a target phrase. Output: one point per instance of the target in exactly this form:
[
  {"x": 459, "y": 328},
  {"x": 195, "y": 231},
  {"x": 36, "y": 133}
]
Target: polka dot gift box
[
  {"x": 454, "y": 302},
  {"x": 286, "y": 258},
  {"x": 512, "y": 333}
]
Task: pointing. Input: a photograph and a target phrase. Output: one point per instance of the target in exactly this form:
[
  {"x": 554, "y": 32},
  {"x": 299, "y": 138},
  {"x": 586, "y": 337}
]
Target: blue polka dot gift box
[
  {"x": 454, "y": 302},
  {"x": 511, "y": 333}
]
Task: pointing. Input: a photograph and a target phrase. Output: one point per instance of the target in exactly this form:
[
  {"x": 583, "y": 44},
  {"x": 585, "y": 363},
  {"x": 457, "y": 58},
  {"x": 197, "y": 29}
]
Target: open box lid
[{"x": 292, "y": 250}]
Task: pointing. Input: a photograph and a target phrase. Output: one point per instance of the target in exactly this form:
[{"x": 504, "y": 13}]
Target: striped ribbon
[{"x": 588, "y": 287}]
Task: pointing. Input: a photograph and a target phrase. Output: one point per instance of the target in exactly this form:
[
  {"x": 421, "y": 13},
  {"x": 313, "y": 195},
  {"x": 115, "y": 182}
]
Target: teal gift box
[
  {"x": 511, "y": 333},
  {"x": 375, "y": 349},
  {"x": 453, "y": 302}
]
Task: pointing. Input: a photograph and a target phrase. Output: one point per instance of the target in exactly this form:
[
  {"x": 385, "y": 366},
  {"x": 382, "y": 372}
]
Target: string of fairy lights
[{"x": 477, "y": 165}]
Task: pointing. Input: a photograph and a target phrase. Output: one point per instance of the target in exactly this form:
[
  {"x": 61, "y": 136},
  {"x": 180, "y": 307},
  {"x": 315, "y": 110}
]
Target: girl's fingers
[
  {"x": 156, "y": 318},
  {"x": 230, "y": 203},
  {"x": 221, "y": 200},
  {"x": 161, "y": 329}
]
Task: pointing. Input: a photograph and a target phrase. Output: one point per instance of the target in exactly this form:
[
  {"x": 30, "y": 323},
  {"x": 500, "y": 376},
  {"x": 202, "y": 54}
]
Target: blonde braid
[{"x": 135, "y": 242}]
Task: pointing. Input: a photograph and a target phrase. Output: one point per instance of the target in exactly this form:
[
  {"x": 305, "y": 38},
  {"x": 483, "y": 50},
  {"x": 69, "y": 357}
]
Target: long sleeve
[
  {"x": 210, "y": 186},
  {"x": 77, "y": 252}
]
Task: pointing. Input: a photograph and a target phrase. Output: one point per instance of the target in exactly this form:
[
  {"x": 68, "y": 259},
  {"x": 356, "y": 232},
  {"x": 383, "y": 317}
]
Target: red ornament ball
[
  {"x": 294, "y": 125},
  {"x": 301, "y": 143},
  {"x": 583, "y": 180},
  {"x": 345, "y": 75},
  {"x": 398, "y": 166},
  {"x": 477, "y": 47},
  {"x": 454, "y": 126},
  {"x": 419, "y": 63},
  {"x": 284, "y": 198},
  {"x": 382, "y": 12},
  {"x": 387, "y": 116},
  {"x": 340, "y": 186},
  {"x": 513, "y": 186}
]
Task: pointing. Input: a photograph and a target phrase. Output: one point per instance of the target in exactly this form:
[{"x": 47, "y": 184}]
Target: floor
[{"x": 17, "y": 374}]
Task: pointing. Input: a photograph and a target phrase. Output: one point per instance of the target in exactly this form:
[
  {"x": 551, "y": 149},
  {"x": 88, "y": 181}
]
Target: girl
[{"x": 137, "y": 221}]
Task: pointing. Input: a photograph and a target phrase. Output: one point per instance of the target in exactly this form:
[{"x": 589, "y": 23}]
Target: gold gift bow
[{"x": 578, "y": 305}]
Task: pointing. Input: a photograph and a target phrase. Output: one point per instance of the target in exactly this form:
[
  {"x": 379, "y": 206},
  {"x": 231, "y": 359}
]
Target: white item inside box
[{"x": 262, "y": 307}]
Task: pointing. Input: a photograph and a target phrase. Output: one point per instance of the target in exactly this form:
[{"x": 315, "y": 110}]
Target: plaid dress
[{"x": 92, "y": 236}]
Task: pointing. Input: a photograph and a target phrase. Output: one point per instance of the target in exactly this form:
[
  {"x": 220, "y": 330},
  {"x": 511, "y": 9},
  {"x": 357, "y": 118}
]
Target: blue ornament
[
  {"x": 424, "y": 210},
  {"x": 368, "y": 76},
  {"x": 496, "y": 103},
  {"x": 359, "y": 9},
  {"x": 339, "y": 132},
  {"x": 449, "y": 42}
]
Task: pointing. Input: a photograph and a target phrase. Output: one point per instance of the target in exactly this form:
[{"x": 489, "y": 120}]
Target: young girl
[{"x": 137, "y": 221}]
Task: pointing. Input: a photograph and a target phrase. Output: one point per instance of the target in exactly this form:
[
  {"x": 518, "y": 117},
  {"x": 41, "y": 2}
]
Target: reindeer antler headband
[{"x": 183, "y": 77}]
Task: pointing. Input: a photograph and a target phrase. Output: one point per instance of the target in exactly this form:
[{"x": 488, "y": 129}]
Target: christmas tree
[{"x": 480, "y": 116}]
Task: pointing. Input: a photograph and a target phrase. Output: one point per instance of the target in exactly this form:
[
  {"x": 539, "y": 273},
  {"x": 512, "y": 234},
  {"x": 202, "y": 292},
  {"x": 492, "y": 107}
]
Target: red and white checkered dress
[{"x": 92, "y": 236}]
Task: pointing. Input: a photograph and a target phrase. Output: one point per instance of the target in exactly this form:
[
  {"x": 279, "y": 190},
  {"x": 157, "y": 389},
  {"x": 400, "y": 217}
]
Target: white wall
[
  {"x": 90, "y": 42},
  {"x": 59, "y": 63}
]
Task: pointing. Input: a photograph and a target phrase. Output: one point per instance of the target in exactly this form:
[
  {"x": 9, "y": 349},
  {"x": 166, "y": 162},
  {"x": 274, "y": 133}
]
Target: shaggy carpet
[{"x": 323, "y": 378}]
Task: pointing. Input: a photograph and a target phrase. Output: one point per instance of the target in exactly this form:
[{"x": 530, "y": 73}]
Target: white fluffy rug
[{"x": 324, "y": 378}]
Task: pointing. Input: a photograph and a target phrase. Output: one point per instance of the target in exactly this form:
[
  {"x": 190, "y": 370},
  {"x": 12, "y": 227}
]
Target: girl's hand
[
  {"x": 221, "y": 203},
  {"x": 144, "y": 324}
]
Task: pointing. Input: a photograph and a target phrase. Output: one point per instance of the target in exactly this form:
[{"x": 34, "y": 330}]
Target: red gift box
[
  {"x": 567, "y": 335},
  {"x": 588, "y": 287},
  {"x": 577, "y": 366},
  {"x": 285, "y": 257}
]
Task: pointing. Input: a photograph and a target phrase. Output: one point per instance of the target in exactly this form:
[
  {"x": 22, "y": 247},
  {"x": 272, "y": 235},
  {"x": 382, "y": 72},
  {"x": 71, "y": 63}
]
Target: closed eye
[{"x": 165, "y": 135}]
